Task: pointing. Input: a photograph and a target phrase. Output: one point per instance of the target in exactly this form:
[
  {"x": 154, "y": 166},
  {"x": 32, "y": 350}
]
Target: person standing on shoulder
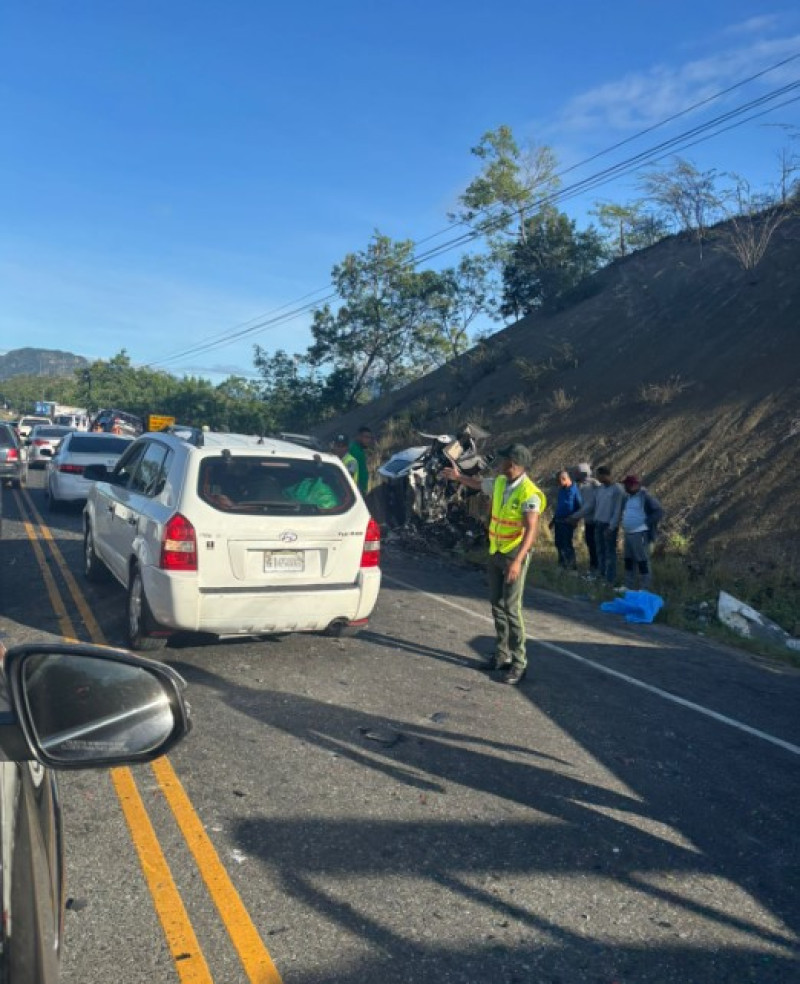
[
  {"x": 641, "y": 515},
  {"x": 587, "y": 486},
  {"x": 517, "y": 504},
  {"x": 340, "y": 446},
  {"x": 568, "y": 503},
  {"x": 608, "y": 502},
  {"x": 358, "y": 449}
]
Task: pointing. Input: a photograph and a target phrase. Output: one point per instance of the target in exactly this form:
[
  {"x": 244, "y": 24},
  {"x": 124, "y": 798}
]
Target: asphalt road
[{"x": 373, "y": 810}]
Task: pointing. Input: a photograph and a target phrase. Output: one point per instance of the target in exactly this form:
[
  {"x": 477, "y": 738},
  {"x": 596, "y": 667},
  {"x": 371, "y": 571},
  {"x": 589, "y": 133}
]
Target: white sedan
[
  {"x": 65, "y": 481},
  {"x": 43, "y": 443}
]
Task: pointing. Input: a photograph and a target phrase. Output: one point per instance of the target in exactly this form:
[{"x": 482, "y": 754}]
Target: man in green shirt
[{"x": 359, "y": 449}]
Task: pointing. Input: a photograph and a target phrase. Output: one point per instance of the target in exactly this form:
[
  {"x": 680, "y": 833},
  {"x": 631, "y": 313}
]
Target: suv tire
[
  {"x": 93, "y": 568},
  {"x": 141, "y": 623}
]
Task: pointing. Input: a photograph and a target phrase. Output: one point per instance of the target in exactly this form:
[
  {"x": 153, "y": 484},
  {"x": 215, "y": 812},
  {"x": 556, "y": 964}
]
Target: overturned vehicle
[{"x": 420, "y": 505}]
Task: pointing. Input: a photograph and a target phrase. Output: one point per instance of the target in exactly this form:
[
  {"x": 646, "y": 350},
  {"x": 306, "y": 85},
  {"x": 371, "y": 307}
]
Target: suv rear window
[
  {"x": 7, "y": 439},
  {"x": 99, "y": 444},
  {"x": 273, "y": 486}
]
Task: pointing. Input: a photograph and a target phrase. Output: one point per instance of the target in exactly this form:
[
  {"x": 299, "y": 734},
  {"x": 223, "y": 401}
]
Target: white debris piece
[{"x": 746, "y": 621}]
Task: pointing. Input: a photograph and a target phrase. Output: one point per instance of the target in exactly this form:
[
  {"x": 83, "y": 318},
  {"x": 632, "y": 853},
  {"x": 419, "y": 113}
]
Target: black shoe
[
  {"x": 514, "y": 675},
  {"x": 494, "y": 665}
]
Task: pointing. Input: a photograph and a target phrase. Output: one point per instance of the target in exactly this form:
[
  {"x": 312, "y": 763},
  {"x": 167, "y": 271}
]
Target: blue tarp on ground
[{"x": 636, "y": 606}]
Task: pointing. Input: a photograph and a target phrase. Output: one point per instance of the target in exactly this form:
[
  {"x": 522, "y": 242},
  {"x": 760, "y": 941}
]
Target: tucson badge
[{"x": 288, "y": 536}]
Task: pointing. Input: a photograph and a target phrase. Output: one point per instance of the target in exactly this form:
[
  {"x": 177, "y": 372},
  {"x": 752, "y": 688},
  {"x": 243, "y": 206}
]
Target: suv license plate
[{"x": 284, "y": 560}]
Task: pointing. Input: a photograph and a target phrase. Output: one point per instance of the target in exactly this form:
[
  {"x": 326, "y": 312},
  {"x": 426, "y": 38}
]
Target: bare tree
[
  {"x": 688, "y": 195},
  {"x": 752, "y": 224}
]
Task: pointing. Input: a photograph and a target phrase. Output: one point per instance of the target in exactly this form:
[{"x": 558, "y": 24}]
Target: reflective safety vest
[
  {"x": 351, "y": 465},
  {"x": 506, "y": 527}
]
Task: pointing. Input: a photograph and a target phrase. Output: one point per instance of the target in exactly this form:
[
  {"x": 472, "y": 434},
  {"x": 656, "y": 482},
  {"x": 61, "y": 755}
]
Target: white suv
[{"x": 231, "y": 535}]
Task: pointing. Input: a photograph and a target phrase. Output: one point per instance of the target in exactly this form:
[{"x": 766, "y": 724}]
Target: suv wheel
[
  {"x": 93, "y": 568},
  {"x": 140, "y": 619}
]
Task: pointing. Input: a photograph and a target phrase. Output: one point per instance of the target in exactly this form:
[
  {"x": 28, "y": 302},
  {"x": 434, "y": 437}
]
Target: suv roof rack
[{"x": 185, "y": 432}]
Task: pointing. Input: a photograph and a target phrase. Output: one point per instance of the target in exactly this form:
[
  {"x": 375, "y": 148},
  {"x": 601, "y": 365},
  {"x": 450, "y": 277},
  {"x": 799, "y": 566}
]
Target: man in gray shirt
[{"x": 609, "y": 500}]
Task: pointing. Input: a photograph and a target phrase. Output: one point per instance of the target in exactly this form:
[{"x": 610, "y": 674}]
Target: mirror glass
[{"x": 84, "y": 707}]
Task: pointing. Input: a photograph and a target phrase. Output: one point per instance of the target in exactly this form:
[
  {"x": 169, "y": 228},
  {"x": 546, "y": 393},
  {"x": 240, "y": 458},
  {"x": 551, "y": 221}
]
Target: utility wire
[{"x": 630, "y": 165}]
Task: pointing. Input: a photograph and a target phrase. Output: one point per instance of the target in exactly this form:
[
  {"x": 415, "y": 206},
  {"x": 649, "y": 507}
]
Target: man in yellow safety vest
[{"x": 517, "y": 503}]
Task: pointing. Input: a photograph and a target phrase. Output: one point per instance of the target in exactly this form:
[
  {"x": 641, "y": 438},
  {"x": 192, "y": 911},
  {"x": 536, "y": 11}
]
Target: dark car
[
  {"x": 13, "y": 457},
  {"x": 64, "y": 706},
  {"x": 118, "y": 422}
]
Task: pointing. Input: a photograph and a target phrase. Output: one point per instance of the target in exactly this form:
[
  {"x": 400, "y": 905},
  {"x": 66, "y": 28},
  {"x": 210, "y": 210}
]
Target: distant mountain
[{"x": 39, "y": 362}]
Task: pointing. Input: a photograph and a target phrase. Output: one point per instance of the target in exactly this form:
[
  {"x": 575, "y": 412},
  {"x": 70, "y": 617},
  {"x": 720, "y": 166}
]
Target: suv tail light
[
  {"x": 12, "y": 454},
  {"x": 72, "y": 469},
  {"x": 179, "y": 545},
  {"x": 40, "y": 441},
  {"x": 371, "y": 554}
]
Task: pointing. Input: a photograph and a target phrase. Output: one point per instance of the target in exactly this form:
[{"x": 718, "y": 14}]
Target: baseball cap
[
  {"x": 340, "y": 439},
  {"x": 517, "y": 453},
  {"x": 584, "y": 469}
]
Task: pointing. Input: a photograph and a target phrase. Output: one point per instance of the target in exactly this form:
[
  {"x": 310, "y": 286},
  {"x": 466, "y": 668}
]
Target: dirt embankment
[{"x": 685, "y": 371}]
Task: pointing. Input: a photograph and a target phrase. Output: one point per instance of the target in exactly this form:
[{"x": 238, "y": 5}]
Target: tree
[
  {"x": 628, "y": 227},
  {"x": 513, "y": 182},
  {"x": 463, "y": 294},
  {"x": 752, "y": 223},
  {"x": 382, "y": 334},
  {"x": 689, "y": 196},
  {"x": 553, "y": 259},
  {"x": 289, "y": 390}
]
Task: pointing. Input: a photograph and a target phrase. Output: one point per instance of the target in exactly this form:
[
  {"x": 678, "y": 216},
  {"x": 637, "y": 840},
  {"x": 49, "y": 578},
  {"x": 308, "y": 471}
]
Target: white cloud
[
  {"x": 639, "y": 100},
  {"x": 754, "y": 25}
]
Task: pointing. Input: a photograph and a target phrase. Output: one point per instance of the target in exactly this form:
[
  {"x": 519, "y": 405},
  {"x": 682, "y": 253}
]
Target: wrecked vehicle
[{"x": 419, "y": 503}]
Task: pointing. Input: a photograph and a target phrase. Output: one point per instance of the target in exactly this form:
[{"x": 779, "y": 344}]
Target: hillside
[
  {"x": 683, "y": 370},
  {"x": 39, "y": 362}
]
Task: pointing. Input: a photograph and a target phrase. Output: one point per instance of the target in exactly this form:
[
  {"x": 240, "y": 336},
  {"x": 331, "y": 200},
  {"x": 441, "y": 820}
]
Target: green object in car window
[{"x": 313, "y": 491}]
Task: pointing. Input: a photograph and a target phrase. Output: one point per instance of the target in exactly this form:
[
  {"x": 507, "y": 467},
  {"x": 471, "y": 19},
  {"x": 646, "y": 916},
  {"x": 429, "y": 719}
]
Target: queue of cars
[{"x": 222, "y": 533}]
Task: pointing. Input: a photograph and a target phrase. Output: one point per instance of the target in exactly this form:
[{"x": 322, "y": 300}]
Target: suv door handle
[
  {"x": 111, "y": 508},
  {"x": 132, "y": 520}
]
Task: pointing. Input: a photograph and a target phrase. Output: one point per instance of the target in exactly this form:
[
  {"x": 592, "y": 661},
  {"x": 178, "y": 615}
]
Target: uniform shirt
[{"x": 533, "y": 504}]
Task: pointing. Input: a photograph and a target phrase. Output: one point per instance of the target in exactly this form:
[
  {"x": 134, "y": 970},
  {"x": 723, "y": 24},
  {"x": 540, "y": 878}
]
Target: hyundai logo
[{"x": 288, "y": 536}]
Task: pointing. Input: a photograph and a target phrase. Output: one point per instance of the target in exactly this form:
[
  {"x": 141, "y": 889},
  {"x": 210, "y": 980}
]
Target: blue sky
[{"x": 173, "y": 169}]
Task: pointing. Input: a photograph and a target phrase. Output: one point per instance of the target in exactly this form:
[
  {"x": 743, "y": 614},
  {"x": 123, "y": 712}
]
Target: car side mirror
[
  {"x": 81, "y": 706},
  {"x": 96, "y": 473}
]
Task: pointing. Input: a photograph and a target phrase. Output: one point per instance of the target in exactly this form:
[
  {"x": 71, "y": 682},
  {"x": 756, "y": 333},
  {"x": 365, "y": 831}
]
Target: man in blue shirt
[{"x": 569, "y": 501}]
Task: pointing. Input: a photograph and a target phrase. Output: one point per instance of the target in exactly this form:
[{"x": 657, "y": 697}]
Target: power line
[{"x": 613, "y": 172}]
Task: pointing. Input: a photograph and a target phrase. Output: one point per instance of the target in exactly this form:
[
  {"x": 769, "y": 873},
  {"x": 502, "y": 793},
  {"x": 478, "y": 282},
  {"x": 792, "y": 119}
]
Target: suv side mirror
[
  {"x": 81, "y": 706},
  {"x": 96, "y": 473}
]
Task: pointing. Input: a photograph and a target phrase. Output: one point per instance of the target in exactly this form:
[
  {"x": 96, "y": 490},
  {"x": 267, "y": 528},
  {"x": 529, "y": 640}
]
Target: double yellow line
[{"x": 190, "y": 962}]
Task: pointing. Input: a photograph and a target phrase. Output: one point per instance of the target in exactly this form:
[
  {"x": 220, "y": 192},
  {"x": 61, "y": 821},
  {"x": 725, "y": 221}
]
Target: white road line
[{"x": 731, "y": 722}]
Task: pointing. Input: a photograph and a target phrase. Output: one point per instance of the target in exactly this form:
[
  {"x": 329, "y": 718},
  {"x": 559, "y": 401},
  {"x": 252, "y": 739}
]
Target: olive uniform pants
[{"x": 506, "y": 601}]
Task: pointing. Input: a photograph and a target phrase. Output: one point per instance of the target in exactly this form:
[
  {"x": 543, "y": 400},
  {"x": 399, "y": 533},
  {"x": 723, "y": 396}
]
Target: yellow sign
[{"x": 157, "y": 422}]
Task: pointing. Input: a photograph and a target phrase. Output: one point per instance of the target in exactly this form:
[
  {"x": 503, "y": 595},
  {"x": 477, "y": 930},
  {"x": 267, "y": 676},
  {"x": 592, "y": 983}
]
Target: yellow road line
[
  {"x": 189, "y": 960},
  {"x": 64, "y": 621},
  {"x": 95, "y": 632},
  {"x": 181, "y": 939},
  {"x": 255, "y": 958}
]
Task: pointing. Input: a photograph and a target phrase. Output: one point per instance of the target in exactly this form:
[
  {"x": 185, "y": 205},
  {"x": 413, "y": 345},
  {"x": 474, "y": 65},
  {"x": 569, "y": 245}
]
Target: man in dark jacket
[{"x": 641, "y": 514}]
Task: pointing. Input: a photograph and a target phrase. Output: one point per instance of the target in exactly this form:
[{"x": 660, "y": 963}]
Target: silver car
[
  {"x": 43, "y": 443},
  {"x": 65, "y": 480},
  {"x": 13, "y": 457},
  {"x": 65, "y": 706}
]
